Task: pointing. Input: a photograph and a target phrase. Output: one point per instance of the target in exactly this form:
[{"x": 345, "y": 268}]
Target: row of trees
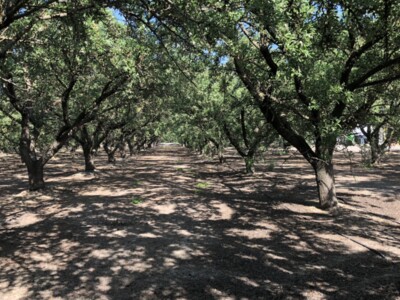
[
  {"x": 76, "y": 75},
  {"x": 314, "y": 68},
  {"x": 227, "y": 72}
]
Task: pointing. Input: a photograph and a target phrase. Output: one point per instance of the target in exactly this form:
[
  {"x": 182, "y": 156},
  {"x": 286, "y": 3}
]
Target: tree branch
[
  {"x": 244, "y": 131},
  {"x": 354, "y": 56},
  {"x": 377, "y": 82},
  {"x": 65, "y": 99},
  {"x": 358, "y": 82}
]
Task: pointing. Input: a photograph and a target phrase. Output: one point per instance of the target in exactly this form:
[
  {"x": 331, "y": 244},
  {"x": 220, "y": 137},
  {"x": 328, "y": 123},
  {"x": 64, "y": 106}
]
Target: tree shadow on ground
[{"x": 84, "y": 238}]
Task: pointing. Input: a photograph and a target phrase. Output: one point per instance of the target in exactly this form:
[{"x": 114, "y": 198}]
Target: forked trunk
[
  {"x": 326, "y": 184},
  {"x": 35, "y": 174}
]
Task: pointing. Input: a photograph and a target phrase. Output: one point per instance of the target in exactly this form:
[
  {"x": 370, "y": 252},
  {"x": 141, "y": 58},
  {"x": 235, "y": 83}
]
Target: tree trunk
[
  {"x": 111, "y": 157},
  {"x": 326, "y": 184},
  {"x": 34, "y": 165},
  {"x": 35, "y": 173},
  {"x": 221, "y": 157},
  {"x": 249, "y": 162},
  {"x": 122, "y": 149},
  {"x": 376, "y": 151},
  {"x": 110, "y": 152},
  {"x": 131, "y": 148},
  {"x": 89, "y": 164}
]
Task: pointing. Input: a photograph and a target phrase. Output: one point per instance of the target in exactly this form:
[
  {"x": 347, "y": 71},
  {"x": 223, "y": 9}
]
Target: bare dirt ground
[{"x": 168, "y": 224}]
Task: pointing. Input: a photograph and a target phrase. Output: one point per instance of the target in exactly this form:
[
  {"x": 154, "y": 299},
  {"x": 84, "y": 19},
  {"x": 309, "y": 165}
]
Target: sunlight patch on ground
[
  {"x": 218, "y": 294},
  {"x": 382, "y": 247},
  {"x": 224, "y": 212},
  {"x": 185, "y": 252},
  {"x": 323, "y": 286},
  {"x": 81, "y": 176},
  {"x": 164, "y": 209},
  {"x": 102, "y": 191},
  {"x": 24, "y": 194},
  {"x": 182, "y": 179},
  {"x": 18, "y": 292},
  {"x": 314, "y": 295},
  {"x": 301, "y": 209},
  {"x": 181, "y": 254},
  {"x": 169, "y": 262},
  {"x": 101, "y": 253},
  {"x": 104, "y": 283},
  {"x": 267, "y": 225},
  {"x": 41, "y": 256},
  {"x": 136, "y": 265},
  {"x": 247, "y": 257},
  {"x": 20, "y": 176},
  {"x": 121, "y": 233},
  {"x": 48, "y": 295},
  {"x": 384, "y": 211},
  {"x": 23, "y": 220},
  {"x": 339, "y": 241},
  {"x": 149, "y": 235},
  {"x": 250, "y": 234},
  {"x": 214, "y": 210},
  {"x": 248, "y": 281},
  {"x": 183, "y": 232},
  {"x": 182, "y": 167},
  {"x": 275, "y": 257},
  {"x": 65, "y": 212},
  {"x": 42, "y": 198},
  {"x": 68, "y": 245}
]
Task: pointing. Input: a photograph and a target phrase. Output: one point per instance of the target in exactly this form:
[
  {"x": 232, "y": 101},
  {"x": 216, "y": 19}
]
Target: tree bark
[
  {"x": 89, "y": 164},
  {"x": 324, "y": 175},
  {"x": 131, "y": 148},
  {"x": 110, "y": 150},
  {"x": 35, "y": 168},
  {"x": 376, "y": 151},
  {"x": 249, "y": 162},
  {"x": 35, "y": 173},
  {"x": 221, "y": 157},
  {"x": 34, "y": 165},
  {"x": 111, "y": 157}
]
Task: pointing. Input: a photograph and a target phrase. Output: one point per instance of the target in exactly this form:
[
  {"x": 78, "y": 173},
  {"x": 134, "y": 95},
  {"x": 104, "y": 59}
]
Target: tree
[
  {"x": 381, "y": 126},
  {"x": 58, "y": 83},
  {"x": 243, "y": 123}
]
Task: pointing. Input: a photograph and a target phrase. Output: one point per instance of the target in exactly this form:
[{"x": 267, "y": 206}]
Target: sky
[{"x": 118, "y": 15}]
